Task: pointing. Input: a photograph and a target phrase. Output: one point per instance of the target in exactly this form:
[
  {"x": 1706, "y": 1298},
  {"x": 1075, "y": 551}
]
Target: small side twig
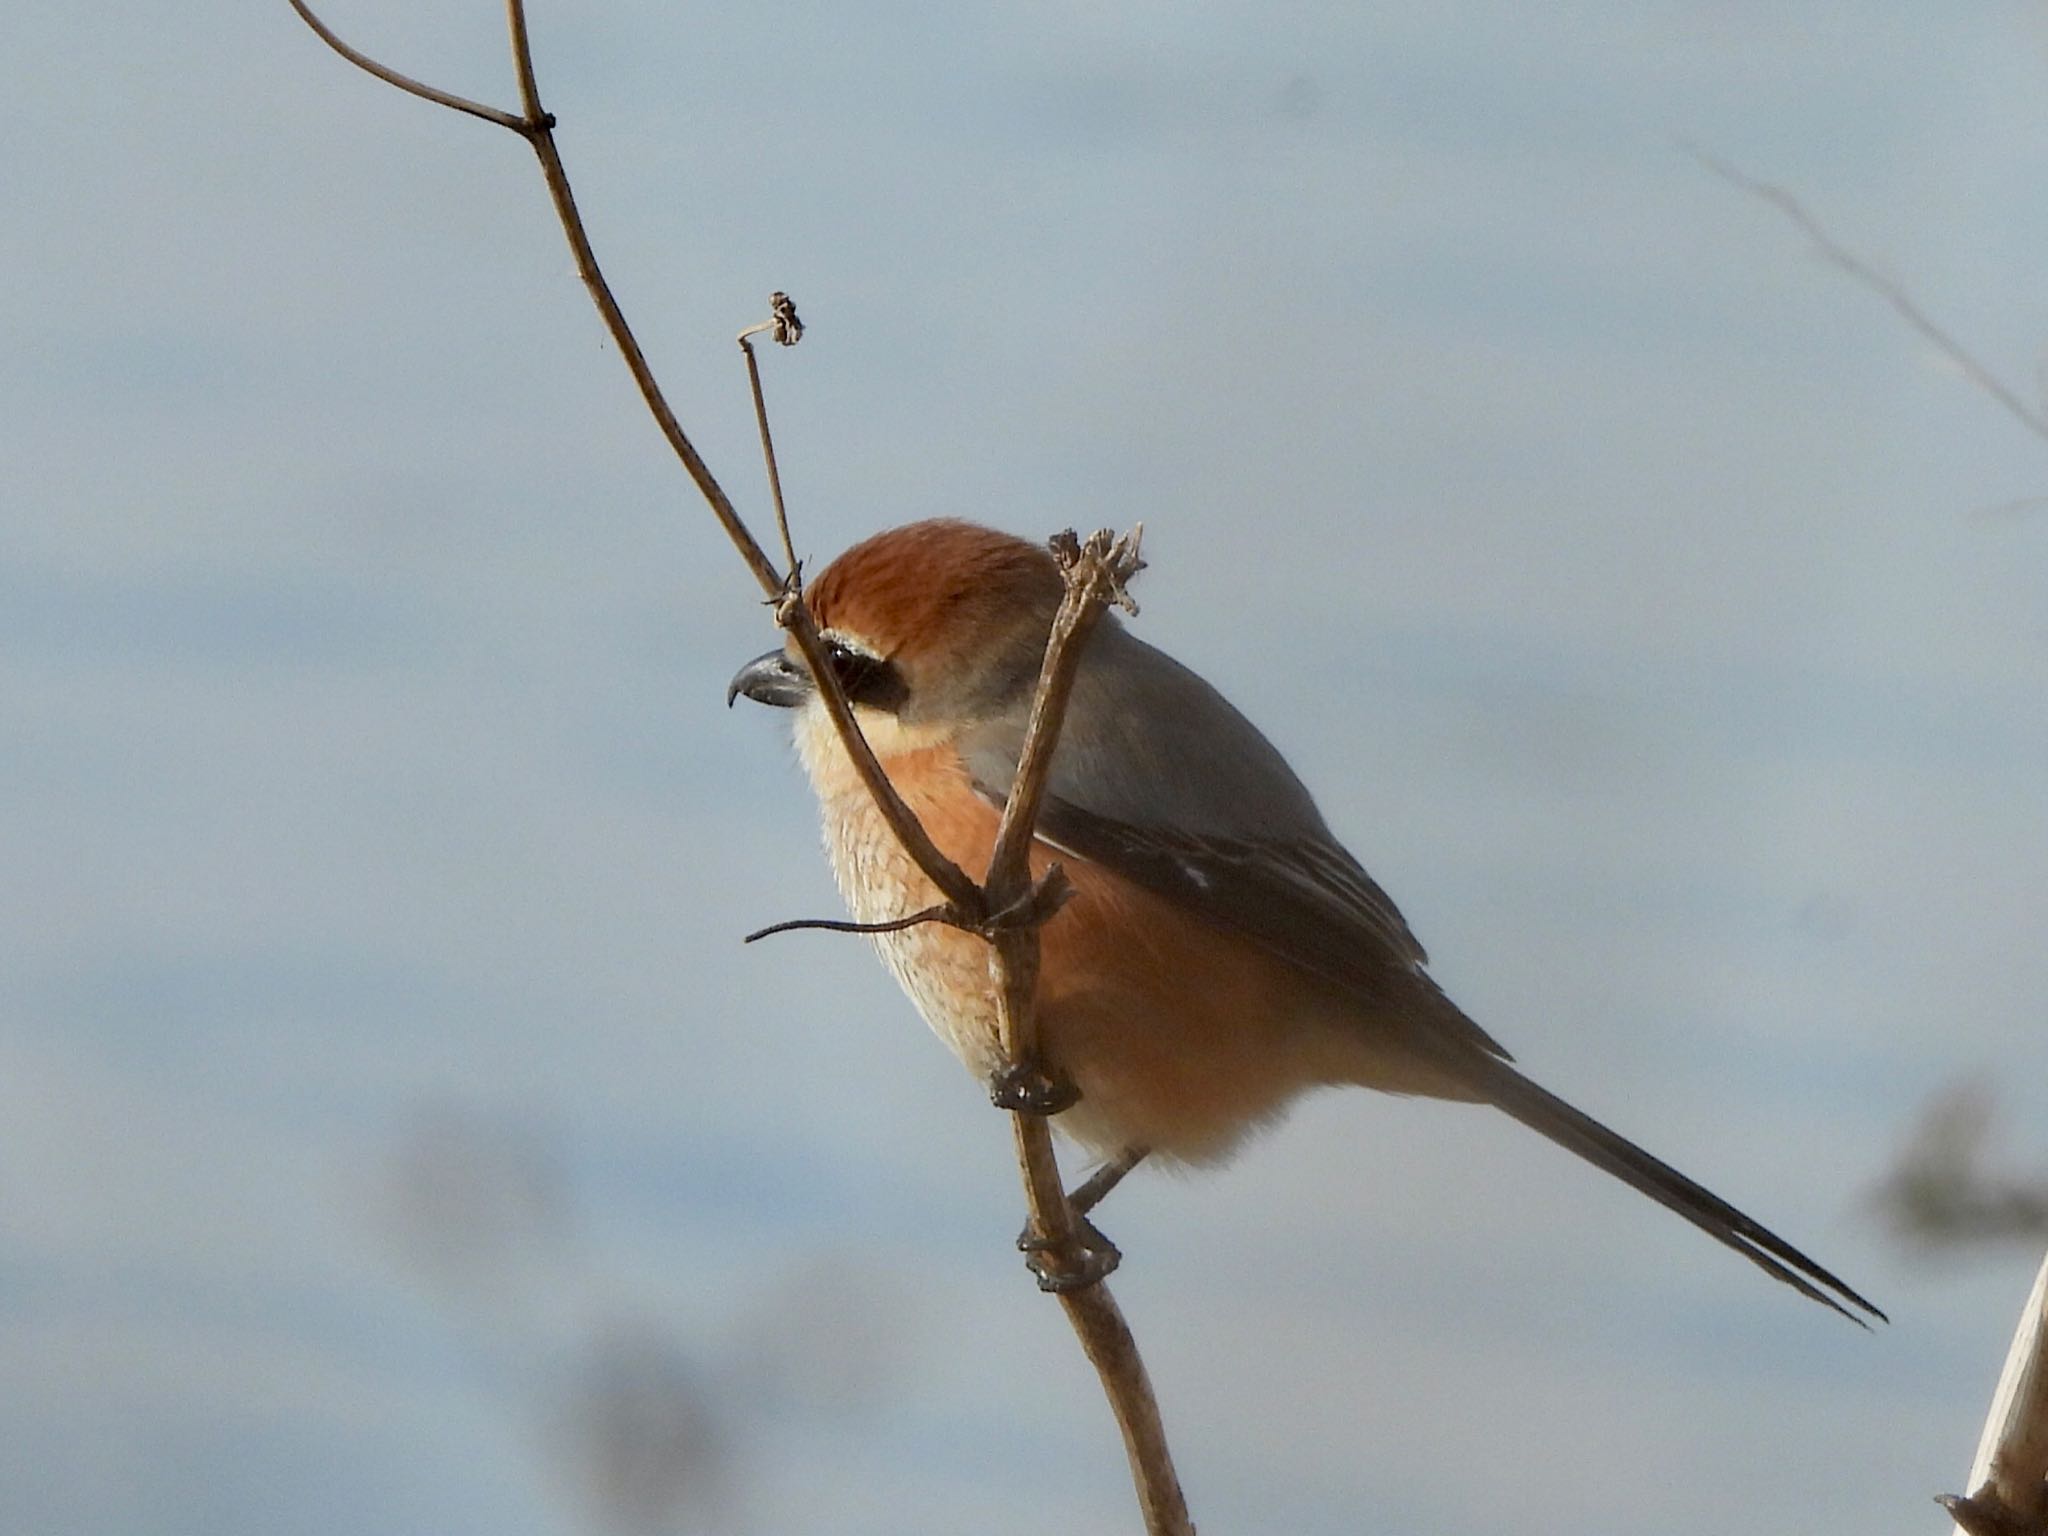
[
  {"x": 941, "y": 913},
  {"x": 406, "y": 83},
  {"x": 786, "y": 330}
]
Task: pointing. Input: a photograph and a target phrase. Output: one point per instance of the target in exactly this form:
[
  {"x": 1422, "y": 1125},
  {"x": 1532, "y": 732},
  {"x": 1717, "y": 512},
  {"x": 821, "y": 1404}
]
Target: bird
[{"x": 1221, "y": 952}]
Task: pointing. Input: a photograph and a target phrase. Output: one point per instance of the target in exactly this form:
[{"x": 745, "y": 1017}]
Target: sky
[{"x": 396, "y": 1136}]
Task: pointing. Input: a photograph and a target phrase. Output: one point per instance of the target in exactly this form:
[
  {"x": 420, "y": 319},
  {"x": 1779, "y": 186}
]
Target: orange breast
[{"x": 1181, "y": 1036}]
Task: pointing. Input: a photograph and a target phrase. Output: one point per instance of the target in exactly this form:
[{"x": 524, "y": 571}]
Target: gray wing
[{"x": 1159, "y": 778}]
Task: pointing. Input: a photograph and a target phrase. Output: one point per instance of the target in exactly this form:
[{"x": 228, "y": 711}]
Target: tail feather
[{"x": 1575, "y": 1131}]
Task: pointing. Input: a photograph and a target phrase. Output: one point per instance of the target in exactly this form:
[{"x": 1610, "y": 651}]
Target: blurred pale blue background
[{"x": 394, "y": 1135}]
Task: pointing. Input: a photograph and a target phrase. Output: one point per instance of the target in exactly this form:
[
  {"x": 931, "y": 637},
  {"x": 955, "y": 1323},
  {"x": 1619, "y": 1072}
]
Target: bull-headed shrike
[{"x": 1221, "y": 952}]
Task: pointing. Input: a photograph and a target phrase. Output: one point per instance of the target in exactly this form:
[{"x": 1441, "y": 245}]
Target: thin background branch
[
  {"x": 1095, "y": 575},
  {"x": 1949, "y": 1188},
  {"x": 1939, "y": 1193},
  {"x": 1884, "y": 287}
]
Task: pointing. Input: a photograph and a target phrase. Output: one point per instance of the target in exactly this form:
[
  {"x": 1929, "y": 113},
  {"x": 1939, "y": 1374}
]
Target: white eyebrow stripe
[{"x": 846, "y": 642}]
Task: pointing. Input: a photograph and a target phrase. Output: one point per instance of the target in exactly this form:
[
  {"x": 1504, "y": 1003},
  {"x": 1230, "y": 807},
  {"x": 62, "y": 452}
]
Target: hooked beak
[{"x": 771, "y": 678}]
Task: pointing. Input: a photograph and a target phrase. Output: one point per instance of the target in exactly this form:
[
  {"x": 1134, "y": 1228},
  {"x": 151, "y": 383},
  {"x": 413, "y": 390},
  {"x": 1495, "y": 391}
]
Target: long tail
[{"x": 1545, "y": 1112}]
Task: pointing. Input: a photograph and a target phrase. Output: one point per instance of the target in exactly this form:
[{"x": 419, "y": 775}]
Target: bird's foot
[
  {"x": 1026, "y": 1088},
  {"x": 1062, "y": 1267}
]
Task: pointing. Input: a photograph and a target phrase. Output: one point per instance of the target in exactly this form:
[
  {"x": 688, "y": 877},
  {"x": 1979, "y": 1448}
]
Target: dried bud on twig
[{"x": 785, "y": 328}]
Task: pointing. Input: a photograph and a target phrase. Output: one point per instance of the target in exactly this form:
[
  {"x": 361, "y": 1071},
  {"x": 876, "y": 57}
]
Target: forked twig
[
  {"x": 406, "y": 83},
  {"x": 537, "y": 126},
  {"x": 1018, "y": 905}
]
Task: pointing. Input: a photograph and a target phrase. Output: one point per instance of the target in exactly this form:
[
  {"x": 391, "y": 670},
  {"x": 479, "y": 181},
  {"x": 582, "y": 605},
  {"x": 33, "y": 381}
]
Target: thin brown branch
[
  {"x": 522, "y": 61},
  {"x": 406, "y": 83},
  {"x": 557, "y": 178},
  {"x": 1884, "y": 287},
  {"x": 787, "y": 331},
  {"x": 537, "y": 128},
  {"x": 1095, "y": 576},
  {"x": 954, "y": 883},
  {"x": 1106, "y": 1339},
  {"x": 790, "y": 610},
  {"x": 791, "y": 613}
]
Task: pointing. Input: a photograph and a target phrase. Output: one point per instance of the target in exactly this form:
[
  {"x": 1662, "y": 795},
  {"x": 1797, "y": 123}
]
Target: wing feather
[{"x": 1160, "y": 779}]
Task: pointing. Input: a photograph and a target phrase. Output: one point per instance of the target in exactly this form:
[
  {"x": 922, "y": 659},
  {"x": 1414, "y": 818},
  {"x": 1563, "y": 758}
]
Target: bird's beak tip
[{"x": 771, "y": 678}]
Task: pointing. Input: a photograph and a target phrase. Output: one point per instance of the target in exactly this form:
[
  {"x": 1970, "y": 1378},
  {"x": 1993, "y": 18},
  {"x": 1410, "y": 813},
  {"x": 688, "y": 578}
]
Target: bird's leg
[
  {"x": 1090, "y": 1257},
  {"x": 1089, "y": 1192}
]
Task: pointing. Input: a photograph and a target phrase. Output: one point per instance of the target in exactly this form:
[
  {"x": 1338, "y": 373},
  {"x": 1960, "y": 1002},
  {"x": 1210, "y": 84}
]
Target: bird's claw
[
  {"x": 1026, "y": 1088},
  {"x": 1084, "y": 1258}
]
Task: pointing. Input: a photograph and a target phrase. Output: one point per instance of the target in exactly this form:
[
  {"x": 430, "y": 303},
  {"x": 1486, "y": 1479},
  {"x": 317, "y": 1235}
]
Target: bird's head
[{"x": 931, "y": 627}]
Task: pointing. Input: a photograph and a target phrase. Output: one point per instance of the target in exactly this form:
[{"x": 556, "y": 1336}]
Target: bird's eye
[
  {"x": 852, "y": 668},
  {"x": 865, "y": 679},
  {"x": 848, "y": 665}
]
